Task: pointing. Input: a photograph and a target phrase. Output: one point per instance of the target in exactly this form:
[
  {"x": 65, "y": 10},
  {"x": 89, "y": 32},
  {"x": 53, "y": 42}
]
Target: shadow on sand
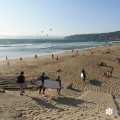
[
  {"x": 95, "y": 82},
  {"x": 76, "y": 90},
  {"x": 68, "y": 101},
  {"x": 46, "y": 104},
  {"x": 103, "y": 64}
]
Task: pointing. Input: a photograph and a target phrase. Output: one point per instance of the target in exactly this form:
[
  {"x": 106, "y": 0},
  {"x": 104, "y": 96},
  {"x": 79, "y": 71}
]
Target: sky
[{"x": 64, "y": 17}]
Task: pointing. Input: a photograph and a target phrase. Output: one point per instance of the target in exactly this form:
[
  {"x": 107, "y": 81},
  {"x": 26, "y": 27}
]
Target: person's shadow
[
  {"x": 95, "y": 82},
  {"x": 68, "y": 101},
  {"x": 46, "y": 104}
]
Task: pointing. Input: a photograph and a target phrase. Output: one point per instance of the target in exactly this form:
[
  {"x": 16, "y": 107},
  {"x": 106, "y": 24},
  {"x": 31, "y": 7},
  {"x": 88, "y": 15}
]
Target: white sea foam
[{"x": 28, "y": 48}]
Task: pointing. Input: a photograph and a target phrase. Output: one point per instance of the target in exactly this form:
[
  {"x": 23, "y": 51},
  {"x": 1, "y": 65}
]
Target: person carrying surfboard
[
  {"x": 22, "y": 82},
  {"x": 83, "y": 75},
  {"x": 42, "y": 78},
  {"x": 59, "y": 89}
]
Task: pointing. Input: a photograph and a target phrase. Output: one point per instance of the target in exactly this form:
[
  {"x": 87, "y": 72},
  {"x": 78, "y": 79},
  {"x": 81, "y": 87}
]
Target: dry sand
[{"x": 87, "y": 101}]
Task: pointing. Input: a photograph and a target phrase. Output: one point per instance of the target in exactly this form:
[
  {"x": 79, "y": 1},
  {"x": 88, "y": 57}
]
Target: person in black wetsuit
[
  {"x": 42, "y": 78},
  {"x": 22, "y": 82},
  {"x": 84, "y": 75},
  {"x": 59, "y": 89}
]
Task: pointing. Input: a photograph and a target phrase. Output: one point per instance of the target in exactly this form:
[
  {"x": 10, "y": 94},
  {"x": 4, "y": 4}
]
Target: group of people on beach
[
  {"x": 108, "y": 73},
  {"x": 22, "y": 83},
  {"x": 54, "y": 57}
]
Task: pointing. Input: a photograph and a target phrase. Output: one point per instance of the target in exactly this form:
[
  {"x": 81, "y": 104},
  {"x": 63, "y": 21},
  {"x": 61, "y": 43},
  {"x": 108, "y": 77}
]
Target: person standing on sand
[
  {"x": 59, "y": 89},
  {"x": 42, "y": 78},
  {"x": 57, "y": 58},
  {"x": 22, "y": 82},
  {"x": 77, "y": 53},
  {"x": 6, "y": 58},
  {"x": 21, "y": 58},
  {"x": 36, "y": 56},
  {"x": 52, "y": 56},
  {"x": 84, "y": 74}
]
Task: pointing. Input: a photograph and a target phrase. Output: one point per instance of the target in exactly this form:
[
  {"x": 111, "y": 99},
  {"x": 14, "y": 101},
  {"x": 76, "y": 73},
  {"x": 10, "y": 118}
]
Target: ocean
[{"x": 16, "y": 48}]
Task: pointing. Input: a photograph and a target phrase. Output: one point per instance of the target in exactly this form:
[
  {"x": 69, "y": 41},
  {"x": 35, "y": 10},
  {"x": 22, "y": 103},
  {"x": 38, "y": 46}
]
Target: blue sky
[{"x": 64, "y": 17}]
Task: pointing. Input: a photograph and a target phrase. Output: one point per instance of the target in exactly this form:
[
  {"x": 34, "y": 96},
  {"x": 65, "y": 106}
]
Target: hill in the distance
[{"x": 111, "y": 36}]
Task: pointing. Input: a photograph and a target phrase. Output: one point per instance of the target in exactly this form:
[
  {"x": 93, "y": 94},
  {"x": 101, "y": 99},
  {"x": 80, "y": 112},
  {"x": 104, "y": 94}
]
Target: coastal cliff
[{"x": 111, "y": 36}]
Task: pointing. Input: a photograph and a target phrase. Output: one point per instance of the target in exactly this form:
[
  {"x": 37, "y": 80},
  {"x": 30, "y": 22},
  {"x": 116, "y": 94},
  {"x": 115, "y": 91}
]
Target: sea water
[{"x": 16, "y": 48}]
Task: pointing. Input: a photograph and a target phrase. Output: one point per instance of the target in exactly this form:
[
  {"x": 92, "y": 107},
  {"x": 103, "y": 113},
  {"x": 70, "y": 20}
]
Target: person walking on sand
[
  {"x": 52, "y": 56},
  {"x": 83, "y": 75},
  {"x": 59, "y": 89},
  {"x": 42, "y": 78},
  {"x": 57, "y": 58},
  {"x": 36, "y": 56},
  {"x": 77, "y": 53},
  {"x": 6, "y": 58},
  {"x": 22, "y": 82}
]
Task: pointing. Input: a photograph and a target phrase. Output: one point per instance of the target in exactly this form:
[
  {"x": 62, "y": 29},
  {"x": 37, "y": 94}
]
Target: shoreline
[
  {"x": 47, "y": 60},
  {"x": 58, "y": 53}
]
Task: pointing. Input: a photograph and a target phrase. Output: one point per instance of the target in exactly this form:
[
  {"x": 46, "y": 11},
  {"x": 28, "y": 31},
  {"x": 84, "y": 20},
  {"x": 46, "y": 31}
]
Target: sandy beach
[{"x": 86, "y": 101}]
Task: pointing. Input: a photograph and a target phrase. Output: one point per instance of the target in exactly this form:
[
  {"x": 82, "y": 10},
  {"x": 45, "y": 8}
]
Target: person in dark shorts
[
  {"x": 59, "y": 89},
  {"x": 22, "y": 82},
  {"x": 84, "y": 75},
  {"x": 42, "y": 78}
]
